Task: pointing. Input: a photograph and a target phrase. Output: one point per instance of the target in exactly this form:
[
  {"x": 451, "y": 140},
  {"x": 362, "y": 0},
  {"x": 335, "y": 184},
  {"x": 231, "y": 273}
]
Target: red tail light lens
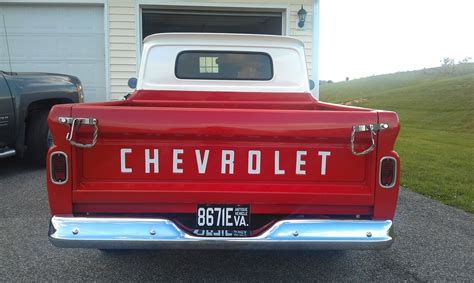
[
  {"x": 388, "y": 172},
  {"x": 58, "y": 166}
]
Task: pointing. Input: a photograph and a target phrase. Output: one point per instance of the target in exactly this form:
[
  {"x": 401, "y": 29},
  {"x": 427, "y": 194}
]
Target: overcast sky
[{"x": 369, "y": 37}]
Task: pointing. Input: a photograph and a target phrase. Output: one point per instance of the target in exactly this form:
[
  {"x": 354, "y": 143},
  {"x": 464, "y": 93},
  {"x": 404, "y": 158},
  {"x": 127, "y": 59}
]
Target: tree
[
  {"x": 446, "y": 62},
  {"x": 465, "y": 60}
]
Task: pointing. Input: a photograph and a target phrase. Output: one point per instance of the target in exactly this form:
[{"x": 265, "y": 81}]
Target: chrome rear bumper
[{"x": 145, "y": 233}]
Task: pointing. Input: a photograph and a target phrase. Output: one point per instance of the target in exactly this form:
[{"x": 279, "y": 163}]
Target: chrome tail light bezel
[
  {"x": 394, "y": 181},
  {"x": 51, "y": 167}
]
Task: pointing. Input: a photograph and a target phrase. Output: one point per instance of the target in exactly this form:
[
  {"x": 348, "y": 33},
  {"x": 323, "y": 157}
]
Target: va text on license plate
[{"x": 225, "y": 216}]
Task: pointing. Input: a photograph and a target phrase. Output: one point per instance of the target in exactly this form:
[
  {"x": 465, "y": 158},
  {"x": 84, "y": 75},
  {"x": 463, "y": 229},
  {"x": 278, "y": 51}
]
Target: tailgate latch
[
  {"x": 372, "y": 128},
  {"x": 75, "y": 124}
]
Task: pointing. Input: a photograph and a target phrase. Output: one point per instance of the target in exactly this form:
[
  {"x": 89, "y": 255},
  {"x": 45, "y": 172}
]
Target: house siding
[
  {"x": 122, "y": 15},
  {"x": 122, "y": 46}
]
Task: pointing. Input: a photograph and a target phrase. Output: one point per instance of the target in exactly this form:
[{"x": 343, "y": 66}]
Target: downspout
[{"x": 315, "y": 48}]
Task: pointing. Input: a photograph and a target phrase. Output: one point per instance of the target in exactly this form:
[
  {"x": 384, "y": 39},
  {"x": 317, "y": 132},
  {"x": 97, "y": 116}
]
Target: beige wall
[{"x": 123, "y": 33}]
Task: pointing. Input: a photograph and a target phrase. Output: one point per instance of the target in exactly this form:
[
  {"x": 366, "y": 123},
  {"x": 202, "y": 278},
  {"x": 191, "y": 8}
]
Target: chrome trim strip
[
  {"x": 7, "y": 153},
  {"x": 148, "y": 233},
  {"x": 394, "y": 173},
  {"x": 51, "y": 167}
]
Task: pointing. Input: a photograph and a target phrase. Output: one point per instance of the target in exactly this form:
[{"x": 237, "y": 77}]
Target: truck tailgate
[{"x": 165, "y": 159}]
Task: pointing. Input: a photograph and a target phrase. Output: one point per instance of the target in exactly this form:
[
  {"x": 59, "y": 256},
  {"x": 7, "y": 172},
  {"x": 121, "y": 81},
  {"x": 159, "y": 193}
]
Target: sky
[{"x": 370, "y": 37}]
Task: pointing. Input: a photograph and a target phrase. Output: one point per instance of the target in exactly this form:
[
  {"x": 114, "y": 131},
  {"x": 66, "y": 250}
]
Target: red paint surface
[{"x": 267, "y": 122}]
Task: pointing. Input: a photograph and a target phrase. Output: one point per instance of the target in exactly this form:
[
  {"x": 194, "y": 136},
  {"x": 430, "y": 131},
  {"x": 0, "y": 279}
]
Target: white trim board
[
  {"x": 315, "y": 48},
  {"x": 215, "y": 5},
  {"x": 54, "y": 1},
  {"x": 108, "y": 92}
]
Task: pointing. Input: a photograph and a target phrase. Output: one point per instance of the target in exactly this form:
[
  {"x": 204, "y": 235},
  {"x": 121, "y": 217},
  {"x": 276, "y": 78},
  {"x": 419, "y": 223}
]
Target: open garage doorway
[{"x": 251, "y": 22}]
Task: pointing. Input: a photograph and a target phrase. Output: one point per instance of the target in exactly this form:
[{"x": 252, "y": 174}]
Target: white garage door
[{"x": 56, "y": 38}]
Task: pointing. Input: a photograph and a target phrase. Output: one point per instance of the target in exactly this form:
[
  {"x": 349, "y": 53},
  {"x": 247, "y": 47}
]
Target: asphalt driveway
[{"x": 435, "y": 242}]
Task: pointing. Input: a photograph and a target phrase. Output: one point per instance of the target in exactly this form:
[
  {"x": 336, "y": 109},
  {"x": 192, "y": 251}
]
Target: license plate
[{"x": 223, "y": 216}]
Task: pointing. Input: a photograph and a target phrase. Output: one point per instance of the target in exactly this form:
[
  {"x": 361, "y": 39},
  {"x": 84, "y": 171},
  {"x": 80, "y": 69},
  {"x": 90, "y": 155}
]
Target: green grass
[{"x": 436, "y": 141}]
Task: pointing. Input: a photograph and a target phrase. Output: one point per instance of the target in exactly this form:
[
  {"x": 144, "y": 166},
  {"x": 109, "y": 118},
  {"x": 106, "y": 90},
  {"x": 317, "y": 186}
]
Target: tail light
[
  {"x": 388, "y": 172},
  {"x": 58, "y": 168}
]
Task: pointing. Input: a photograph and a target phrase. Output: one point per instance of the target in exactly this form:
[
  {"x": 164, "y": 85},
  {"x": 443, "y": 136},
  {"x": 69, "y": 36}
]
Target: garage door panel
[
  {"x": 57, "y": 38},
  {"x": 34, "y": 48},
  {"x": 38, "y": 66},
  {"x": 83, "y": 71},
  {"x": 94, "y": 93},
  {"x": 93, "y": 25},
  {"x": 84, "y": 47},
  {"x": 45, "y": 18}
]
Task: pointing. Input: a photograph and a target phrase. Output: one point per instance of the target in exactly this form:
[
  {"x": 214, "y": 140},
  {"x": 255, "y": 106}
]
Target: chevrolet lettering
[
  {"x": 226, "y": 159},
  {"x": 222, "y": 145}
]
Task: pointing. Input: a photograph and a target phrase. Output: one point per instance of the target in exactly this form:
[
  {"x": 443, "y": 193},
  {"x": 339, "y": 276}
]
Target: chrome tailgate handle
[
  {"x": 75, "y": 124},
  {"x": 372, "y": 128}
]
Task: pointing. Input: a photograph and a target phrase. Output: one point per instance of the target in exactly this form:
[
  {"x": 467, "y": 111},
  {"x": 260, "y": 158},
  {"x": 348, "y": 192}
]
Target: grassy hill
[{"x": 436, "y": 141}]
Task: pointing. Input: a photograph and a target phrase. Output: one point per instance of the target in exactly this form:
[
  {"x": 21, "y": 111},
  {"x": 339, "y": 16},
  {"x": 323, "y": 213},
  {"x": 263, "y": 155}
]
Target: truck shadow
[{"x": 226, "y": 265}]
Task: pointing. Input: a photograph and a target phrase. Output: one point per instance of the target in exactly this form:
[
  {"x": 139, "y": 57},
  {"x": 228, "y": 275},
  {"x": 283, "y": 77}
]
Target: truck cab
[{"x": 25, "y": 101}]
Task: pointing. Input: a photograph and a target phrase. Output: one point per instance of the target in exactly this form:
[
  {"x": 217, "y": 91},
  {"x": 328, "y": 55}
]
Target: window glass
[
  {"x": 208, "y": 65},
  {"x": 224, "y": 65}
]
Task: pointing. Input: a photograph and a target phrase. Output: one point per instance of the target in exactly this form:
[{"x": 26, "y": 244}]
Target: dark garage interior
[{"x": 160, "y": 21}]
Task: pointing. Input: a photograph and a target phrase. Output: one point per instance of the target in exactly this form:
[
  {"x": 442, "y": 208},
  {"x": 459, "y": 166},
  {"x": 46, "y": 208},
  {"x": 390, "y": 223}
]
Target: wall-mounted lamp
[{"x": 301, "y": 17}]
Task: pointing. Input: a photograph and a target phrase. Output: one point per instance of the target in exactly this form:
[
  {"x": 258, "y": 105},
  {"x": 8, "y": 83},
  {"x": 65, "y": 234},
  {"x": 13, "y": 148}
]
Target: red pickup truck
[{"x": 222, "y": 145}]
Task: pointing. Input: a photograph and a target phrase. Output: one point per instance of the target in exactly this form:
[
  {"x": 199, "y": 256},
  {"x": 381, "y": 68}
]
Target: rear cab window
[{"x": 224, "y": 65}]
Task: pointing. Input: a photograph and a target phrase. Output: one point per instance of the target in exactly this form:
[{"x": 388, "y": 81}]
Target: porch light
[{"x": 301, "y": 17}]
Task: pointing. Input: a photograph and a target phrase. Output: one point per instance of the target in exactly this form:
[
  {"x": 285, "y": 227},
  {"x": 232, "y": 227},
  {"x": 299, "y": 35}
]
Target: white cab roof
[
  {"x": 223, "y": 39},
  {"x": 157, "y": 68}
]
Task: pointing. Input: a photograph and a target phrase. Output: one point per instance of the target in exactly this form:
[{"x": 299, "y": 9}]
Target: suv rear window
[{"x": 224, "y": 65}]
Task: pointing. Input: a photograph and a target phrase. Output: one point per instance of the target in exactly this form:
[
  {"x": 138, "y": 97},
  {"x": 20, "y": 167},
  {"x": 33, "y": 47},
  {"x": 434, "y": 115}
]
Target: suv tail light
[
  {"x": 388, "y": 172},
  {"x": 58, "y": 168}
]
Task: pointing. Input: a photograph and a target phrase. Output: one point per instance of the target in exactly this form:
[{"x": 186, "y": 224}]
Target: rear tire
[{"x": 39, "y": 137}]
